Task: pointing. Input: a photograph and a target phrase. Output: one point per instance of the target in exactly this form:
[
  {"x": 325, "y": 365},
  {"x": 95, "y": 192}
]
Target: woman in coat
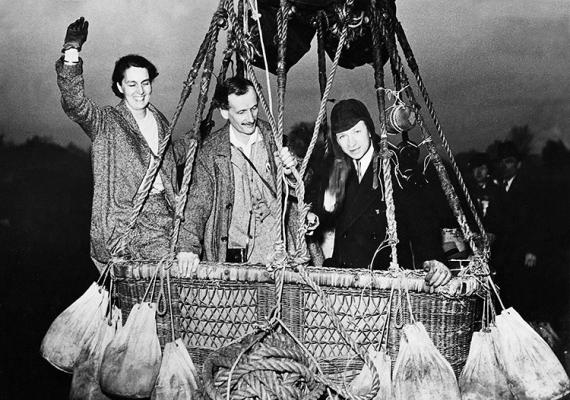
[{"x": 124, "y": 138}]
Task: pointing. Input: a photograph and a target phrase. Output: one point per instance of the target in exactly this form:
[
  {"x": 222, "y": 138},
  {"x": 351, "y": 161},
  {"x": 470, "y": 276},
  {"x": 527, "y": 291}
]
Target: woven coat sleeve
[
  {"x": 198, "y": 208},
  {"x": 76, "y": 105}
]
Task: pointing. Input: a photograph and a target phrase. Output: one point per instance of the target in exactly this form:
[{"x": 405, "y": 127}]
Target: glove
[{"x": 76, "y": 35}]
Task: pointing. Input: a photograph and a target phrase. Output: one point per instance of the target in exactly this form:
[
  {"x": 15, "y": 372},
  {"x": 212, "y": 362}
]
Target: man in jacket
[
  {"x": 360, "y": 210},
  {"x": 232, "y": 210}
]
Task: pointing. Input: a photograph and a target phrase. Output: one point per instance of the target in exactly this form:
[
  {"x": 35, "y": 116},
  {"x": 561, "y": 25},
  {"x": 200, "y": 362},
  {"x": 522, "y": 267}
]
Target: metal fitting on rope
[
  {"x": 356, "y": 22},
  {"x": 221, "y": 18}
]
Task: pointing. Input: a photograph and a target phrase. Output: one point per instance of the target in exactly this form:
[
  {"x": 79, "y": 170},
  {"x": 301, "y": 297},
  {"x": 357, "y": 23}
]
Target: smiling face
[
  {"x": 242, "y": 112},
  {"x": 136, "y": 88},
  {"x": 355, "y": 141}
]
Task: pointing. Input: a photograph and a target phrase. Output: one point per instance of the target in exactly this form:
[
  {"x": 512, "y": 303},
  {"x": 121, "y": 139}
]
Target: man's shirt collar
[{"x": 246, "y": 148}]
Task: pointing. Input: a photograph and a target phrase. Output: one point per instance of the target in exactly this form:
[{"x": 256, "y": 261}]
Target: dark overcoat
[{"x": 360, "y": 227}]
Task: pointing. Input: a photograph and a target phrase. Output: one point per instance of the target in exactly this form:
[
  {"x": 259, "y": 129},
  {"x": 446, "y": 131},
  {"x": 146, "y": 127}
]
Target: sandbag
[
  {"x": 531, "y": 367},
  {"x": 131, "y": 361},
  {"x": 421, "y": 372},
  {"x": 63, "y": 341},
  {"x": 362, "y": 384},
  {"x": 177, "y": 376},
  {"x": 482, "y": 377},
  {"x": 85, "y": 381}
]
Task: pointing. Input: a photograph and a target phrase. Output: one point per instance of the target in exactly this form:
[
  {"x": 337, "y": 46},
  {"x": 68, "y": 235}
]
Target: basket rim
[{"x": 411, "y": 280}]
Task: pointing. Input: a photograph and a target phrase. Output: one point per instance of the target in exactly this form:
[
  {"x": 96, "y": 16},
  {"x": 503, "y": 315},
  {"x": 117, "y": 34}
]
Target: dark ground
[{"x": 44, "y": 242}]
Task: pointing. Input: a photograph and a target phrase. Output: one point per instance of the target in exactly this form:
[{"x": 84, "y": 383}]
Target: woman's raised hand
[{"x": 76, "y": 35}]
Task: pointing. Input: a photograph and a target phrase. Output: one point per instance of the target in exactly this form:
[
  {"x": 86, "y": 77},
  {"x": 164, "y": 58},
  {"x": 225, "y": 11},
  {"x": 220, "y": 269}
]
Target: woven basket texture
[{"x": 224, "y": 302}]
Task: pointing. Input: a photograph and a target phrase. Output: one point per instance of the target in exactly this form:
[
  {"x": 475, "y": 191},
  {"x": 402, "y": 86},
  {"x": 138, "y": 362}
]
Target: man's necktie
[{"x": 358, "y": 170}]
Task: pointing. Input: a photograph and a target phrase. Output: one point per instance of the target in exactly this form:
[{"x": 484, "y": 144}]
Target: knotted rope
[
  {"x": 322, "y": 108},
  {"x": 190, "y": 155},
  {"x": 322, "y": 66},
  {"x": 400, "y": 34},
  {"x": 377, "y": 28},
  {"x": 448, "y": 189},
  {"x": 145, "y": 187}
]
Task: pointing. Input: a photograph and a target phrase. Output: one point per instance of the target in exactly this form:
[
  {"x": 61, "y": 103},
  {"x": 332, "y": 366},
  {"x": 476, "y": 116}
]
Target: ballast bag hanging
[
  {"x": 362, "y": 384},
  {"x": 531, "y": 367},
  {"x": 177, "y": 376},
  {"x": 85, "y": 382},
  {"x": 482, "y": 378},
  {"x": 132, "y": 359},
  {"x": 63, "y": 341},
  {"x": 421, "y": 372}
]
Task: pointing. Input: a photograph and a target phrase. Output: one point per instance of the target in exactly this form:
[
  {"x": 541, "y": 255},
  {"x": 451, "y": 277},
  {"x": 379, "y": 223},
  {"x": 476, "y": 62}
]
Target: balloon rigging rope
[{"x": 257, "y": 16}]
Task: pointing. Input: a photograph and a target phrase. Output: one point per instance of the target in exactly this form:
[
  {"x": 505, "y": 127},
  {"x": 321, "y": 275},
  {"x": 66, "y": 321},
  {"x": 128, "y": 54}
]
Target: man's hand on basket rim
[
  {"x": 187, "y": 263},
  {"x": 437, "y": 273}
]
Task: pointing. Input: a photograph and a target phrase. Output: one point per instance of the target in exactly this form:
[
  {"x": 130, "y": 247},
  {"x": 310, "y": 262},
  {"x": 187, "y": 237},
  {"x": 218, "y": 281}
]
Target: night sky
[{"x": 488, "y": 65}]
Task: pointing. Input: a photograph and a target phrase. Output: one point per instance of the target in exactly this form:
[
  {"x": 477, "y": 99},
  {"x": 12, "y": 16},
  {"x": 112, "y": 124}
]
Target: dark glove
[{"x": 76, "y": 35}]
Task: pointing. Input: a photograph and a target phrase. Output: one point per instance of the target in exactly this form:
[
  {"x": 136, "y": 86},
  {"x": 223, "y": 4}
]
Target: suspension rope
[
  {"x": 257, "y": 16},
  {"x": 282, "y": 26},
  {"x": 416, "y": 72},
  {"x": 447, "y": 187},
  {"x": 146, "y": 184},
  {"x": 322, "y": 68},
  {"x": 322, "y": 109},
  {"x": 378, "y": 29},
  {"x": 202, "y": 98}
]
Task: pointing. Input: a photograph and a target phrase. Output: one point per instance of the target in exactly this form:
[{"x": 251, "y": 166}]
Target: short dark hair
[
  {"x": 124, "y": 63},
  {"x": 235, "y": 85}
]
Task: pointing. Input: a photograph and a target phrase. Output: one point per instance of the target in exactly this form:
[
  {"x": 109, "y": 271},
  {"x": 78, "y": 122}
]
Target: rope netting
[{"x": 273, "y": 363}]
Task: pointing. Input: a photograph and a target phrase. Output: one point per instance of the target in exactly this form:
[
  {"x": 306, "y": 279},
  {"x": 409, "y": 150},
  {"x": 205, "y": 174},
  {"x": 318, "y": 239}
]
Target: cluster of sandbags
[
  {"x": 420, "y": 371},
  {"x": 108, "y": 359},
  {"x": 532, "y": 369},
  {"x": 510, "y": 360}
]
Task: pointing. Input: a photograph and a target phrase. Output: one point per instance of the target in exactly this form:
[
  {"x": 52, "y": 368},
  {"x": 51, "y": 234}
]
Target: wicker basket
[{"x": 227, "y": 301}]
